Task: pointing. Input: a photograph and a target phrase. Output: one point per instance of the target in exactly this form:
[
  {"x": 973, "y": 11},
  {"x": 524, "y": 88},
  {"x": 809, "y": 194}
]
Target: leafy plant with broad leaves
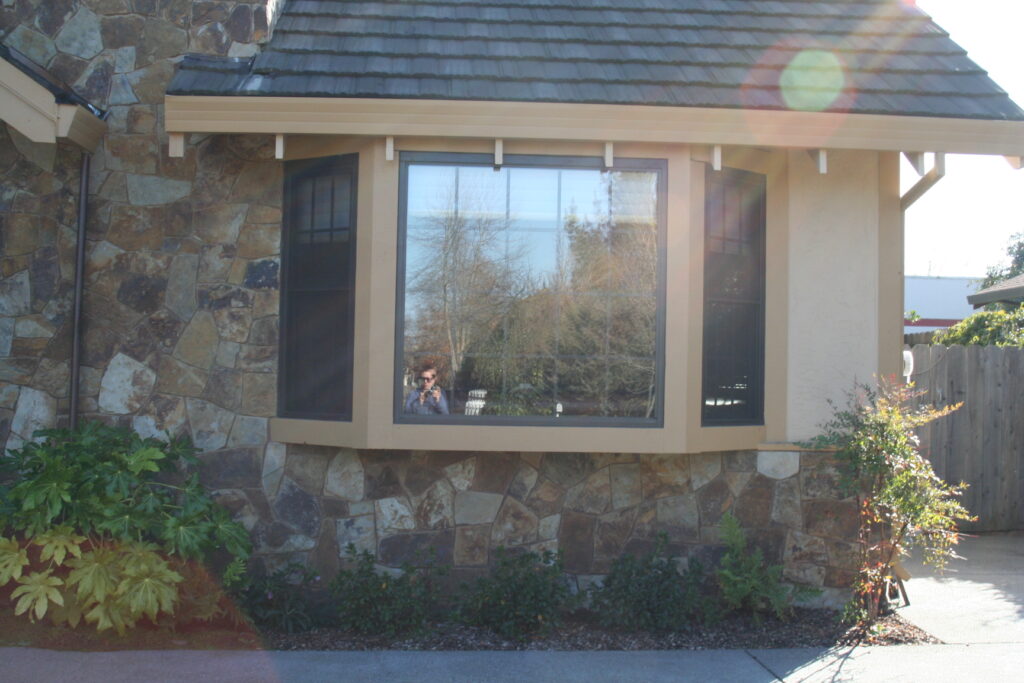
[
  {"x": 108, "y": 527},
  {"x": 526, "y": 593},
  {"x": 110, "y": 482},
  {"x": 986, "y": 328},
  {"x": 71, "y": 578},
  {"x": 750, "y": 584},
  {"x": 650, "y": 593},
  {"x": 902, "y": 502}
]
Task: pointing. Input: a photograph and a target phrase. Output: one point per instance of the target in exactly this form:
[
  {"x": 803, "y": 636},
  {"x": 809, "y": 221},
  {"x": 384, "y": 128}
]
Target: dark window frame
[
  {"x": 295, "y": 171},
  {"x": 754, "y": 182},
  {"x": 658, "y": 166}
]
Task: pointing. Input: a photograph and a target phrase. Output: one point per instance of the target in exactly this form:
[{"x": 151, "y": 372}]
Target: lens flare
[{"x": 812, "y": 81}]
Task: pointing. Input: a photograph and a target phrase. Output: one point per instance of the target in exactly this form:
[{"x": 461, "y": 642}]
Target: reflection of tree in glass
[
  {"x": 607, "y": 329},
  {"x": 461, "y": 285},
  {"x": 583, "y": 334}
]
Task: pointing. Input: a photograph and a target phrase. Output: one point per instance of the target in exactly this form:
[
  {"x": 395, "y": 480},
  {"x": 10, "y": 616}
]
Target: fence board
[{"x": 982, "y": 444}]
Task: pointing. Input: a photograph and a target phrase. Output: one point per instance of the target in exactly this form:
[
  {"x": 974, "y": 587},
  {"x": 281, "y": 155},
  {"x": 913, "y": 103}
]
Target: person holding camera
[{"x": 427, "y": 398}]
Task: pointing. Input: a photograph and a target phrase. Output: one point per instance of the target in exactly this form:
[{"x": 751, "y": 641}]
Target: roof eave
[
  {"x": 34, "y": 111},
  {"x": 608, "y": 122}
]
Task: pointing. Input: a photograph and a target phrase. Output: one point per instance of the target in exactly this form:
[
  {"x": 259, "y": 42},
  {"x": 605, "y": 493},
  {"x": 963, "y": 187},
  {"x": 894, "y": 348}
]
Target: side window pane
[
  {"x": 318, "y": 288},
  {"x": 733, "y": 362},
  {"x": 531, "y": 290}
]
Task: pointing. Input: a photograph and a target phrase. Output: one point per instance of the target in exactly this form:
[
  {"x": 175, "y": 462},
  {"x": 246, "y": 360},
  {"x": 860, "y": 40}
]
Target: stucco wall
[{"x": 833, "y": 284}]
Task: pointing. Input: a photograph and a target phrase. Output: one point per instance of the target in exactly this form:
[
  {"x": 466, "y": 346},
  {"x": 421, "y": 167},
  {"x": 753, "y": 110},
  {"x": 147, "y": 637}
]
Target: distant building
[{"x": 940, "y": 301}]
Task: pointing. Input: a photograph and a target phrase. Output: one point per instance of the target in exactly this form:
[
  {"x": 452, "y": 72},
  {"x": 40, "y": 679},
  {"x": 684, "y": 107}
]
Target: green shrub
[
  {"x": 747, "y": 582},
  {"x": 525, "y": 594},
  {"x": 986, "y": 328},
  {"x": 649, "y": 593},
  {"x": 373, "y": 602},
  {"x": 282, "y": 600},
  {"x": 98, "y": 531},
  {"x": 902, "y": 502}
]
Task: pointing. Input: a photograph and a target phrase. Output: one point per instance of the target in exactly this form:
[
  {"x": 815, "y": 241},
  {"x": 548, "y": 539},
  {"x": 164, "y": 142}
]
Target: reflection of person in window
[{"x": 427, "y": 398}]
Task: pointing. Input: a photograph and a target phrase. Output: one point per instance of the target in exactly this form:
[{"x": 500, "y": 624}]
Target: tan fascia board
[
  {"x": 612, "y": 123},
  {"x": 33, "y": 111}
]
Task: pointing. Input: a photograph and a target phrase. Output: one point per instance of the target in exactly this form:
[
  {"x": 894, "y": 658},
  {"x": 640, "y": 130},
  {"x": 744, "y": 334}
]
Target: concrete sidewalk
[
  {"x": 910, "y": 663},
  {"x": 979, "y": 599}
]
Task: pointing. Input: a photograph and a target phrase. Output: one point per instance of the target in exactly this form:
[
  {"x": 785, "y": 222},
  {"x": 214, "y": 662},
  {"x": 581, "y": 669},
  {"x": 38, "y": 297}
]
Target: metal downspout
[{"x": 76, "y": 335}]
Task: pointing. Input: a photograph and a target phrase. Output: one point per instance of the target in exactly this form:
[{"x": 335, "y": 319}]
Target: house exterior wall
[{"x": 181, "y": 328}]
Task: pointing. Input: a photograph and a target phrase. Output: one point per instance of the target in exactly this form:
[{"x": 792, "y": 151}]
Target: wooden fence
[{"x": 981, "y": 444}]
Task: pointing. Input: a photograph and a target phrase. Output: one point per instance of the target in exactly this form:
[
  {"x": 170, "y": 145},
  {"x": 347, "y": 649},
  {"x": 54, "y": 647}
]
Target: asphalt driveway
[{"x": 979, "y": 599}]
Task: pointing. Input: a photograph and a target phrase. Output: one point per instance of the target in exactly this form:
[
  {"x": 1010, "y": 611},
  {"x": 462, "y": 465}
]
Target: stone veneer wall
[
  {"x": 181, "y": 297},
  {"x": 307, "y": 503},
  {"x": 181, "y": 327}
]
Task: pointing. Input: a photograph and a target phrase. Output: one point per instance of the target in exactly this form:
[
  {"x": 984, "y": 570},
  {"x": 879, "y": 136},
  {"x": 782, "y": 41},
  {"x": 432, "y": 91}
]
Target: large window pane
[{"x": 532, "y": 288}]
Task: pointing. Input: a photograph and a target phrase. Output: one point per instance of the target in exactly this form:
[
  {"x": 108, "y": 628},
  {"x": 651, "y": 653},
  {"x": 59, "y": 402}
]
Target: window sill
[{"x": 480, "y": 438}]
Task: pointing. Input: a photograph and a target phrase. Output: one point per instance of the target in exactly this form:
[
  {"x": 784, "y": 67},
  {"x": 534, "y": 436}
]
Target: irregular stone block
[
  {"x": 198, "y": 343},
  {"x": 474, "y": 507},
  {"x": 778, "y": 464},
  {"x": 786, "y": 506},
  {"x": 523, "y": 482},
  {"x": 259, "y": 241},
  {"x": 461, "y": 474},
  {"x": 546, "y": 498},
  {"x": 224, "y": 387},
  {"x": 435, "y": 509},
  {"x": 804, "y": 549},
  {"x": 359, "y": 531},
  {"x": 754, "y": 506},
  {"x": 577, "y": 541},
  {"x": 162, "y": 414},
  {"x": 180, "y": 378},
  {"x": 180, "y": 297},
  {"x": 81, "y": 35},
  {"x": 494, "y": 472},
  {"x": 740, "y": 461},
  {"x": 142, "y": 293},
  {"x": 664, "y": 475},
  {"x": 566, "y": 469},
  {"x": 471, "y": 545},
  {"x": 418, "y": 549},
  {"x": 514, "y": 525},
  {"x": 345, "y": 476},
  {"x": 297, "y": 508},
  {"x": 29, "y": 326},
  {"x": 679, "y": 517},
  {"x": 259, "y": 394},
  {"x": 248, "y": 431},
  {"x": 819, "y": 475},
  {"x": 382, "y": 476},
  {"x": 713, "y": 501},
  {"x": 233, "y": 324},
  {"x": 126, "y": 385},
  {"x": 210, "y": 424},
  {"x": 34, "y": 45},
  {"x": 547, "y": 528},
  {"x": 15, "y": 298},
  {"x": 831, "y": 518},
  {"x": 613, "y": 530},
  {"x": 626, "y": 485},
  {"x": 230, "y": 469},
  {"x": 394, "y": 515},
  {"x": 806, "y": 574},
  {"x": 148, "y": 190},
  {"x": 7, "y": 326},
  {"x": 274, "y": 456},
  {"x": 703, "y": 468},
  {"x": 307, "y": 465},
  {"x": 262, "y": 274},
  {"x": 593, "y": 495},
  {"x": 35, "y": 410}
]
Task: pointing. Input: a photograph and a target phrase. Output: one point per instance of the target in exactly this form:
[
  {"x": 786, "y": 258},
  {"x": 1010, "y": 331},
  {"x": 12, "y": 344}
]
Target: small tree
[
  {"x": 902, "y": 502},
  {"x": 1015, "y": 250}
]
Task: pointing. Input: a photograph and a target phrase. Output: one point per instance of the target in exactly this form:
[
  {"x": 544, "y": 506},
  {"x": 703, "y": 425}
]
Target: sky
[{"x": 962, "y": 226}]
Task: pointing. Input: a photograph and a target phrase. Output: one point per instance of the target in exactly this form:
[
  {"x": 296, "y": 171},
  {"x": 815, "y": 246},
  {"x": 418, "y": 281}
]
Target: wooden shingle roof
[{"x": 859, "y": 56}]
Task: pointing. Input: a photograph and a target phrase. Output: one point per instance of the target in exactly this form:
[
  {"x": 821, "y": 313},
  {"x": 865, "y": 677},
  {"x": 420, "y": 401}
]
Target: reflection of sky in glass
[{"x": 519, "y": 215}]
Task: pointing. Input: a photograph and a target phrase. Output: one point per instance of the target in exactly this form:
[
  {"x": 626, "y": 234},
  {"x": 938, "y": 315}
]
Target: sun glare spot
[{"x": 812, "y": 81}]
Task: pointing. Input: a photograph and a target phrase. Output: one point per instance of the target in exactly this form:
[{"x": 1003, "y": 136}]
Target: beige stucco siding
[{"x": 834, "y": 284}]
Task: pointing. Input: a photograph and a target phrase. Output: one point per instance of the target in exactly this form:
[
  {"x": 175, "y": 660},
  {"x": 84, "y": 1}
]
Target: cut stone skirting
[{"x": 311, "y": 503}]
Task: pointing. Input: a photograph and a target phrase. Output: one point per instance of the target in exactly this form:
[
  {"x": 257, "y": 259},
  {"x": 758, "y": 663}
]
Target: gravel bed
[{"x": 807, "y": 628}]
